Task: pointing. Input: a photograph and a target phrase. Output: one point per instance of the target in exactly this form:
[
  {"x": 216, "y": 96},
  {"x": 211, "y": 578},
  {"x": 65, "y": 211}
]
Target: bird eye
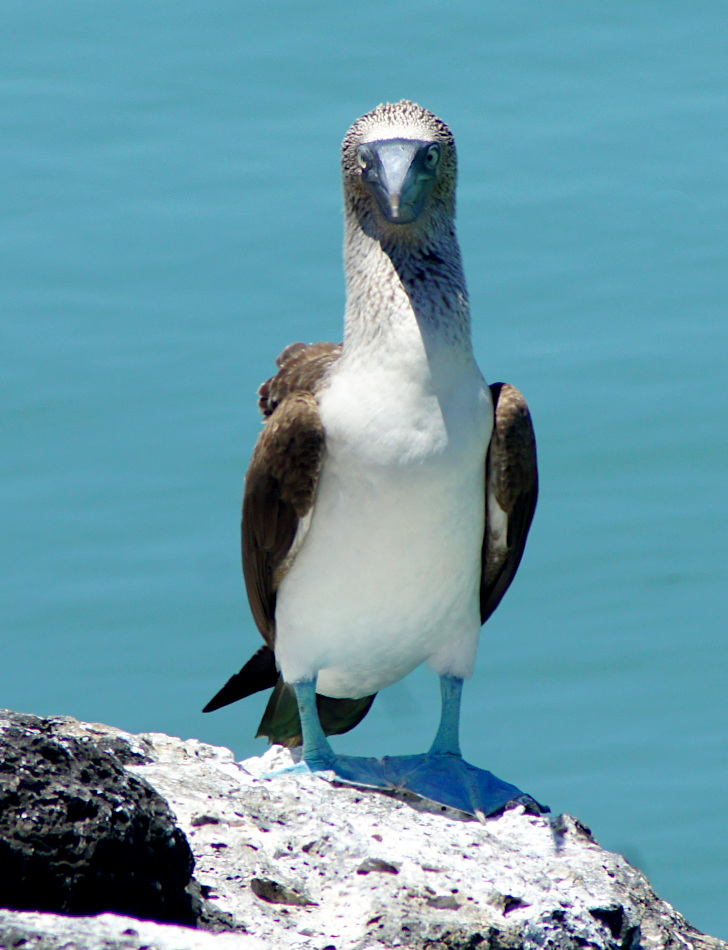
[
  {"x": 433, "y": 156},
  {"x": 364, "y": 158}
]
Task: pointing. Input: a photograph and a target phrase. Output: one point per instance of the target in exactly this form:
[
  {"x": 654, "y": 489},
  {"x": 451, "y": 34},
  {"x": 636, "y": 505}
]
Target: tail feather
[
  {"x": 258, "y": 673},
  {"x": 280, "y": 722}
]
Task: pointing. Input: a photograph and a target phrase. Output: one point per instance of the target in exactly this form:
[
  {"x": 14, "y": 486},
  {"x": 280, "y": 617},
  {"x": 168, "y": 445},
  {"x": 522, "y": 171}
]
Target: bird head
[{"x": 400, "y": 168}]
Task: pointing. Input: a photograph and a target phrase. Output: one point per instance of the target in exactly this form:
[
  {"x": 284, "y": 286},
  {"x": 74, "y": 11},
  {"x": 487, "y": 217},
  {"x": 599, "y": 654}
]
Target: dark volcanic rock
[{"x": 79, "y": 834}]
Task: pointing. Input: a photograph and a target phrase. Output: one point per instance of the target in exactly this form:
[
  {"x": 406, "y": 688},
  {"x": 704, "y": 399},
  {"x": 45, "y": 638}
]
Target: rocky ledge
[{"x": 111, "y": 827}]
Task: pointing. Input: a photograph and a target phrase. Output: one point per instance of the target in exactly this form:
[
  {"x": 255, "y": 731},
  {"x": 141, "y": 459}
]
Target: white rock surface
[
  {"x": 294, "y": 861},
  {"x": 23, "y": 930}
]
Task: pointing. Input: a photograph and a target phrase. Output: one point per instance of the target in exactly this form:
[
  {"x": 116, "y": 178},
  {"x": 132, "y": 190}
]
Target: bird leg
[
  {"x": 440, "y": 775},
  {"x": 317, "y": 752},
  {"x": 318, "y": 756},
  {"x": 447, "y": 738},
  {"x": 443, "y": 776}
]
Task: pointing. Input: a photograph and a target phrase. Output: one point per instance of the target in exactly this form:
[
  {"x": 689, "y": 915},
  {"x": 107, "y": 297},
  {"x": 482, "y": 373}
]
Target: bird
[{"x": 391, "y": 490}]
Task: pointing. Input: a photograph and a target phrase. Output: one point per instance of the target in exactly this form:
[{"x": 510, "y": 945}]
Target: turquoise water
[{"x": 171, "y": 218}]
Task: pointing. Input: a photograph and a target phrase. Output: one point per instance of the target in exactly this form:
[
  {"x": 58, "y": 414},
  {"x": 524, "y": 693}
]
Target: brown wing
[
  {"x": 279, "y": 491},
  {"x": 510, "y": 494},
  {"x": 280, "y": 486}
]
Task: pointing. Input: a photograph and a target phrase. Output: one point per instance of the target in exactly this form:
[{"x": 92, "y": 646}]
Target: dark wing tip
[{"x": 258, "y": 673}]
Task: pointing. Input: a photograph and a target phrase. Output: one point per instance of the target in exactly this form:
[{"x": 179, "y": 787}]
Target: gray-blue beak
[{"x": 400, "y": 174}]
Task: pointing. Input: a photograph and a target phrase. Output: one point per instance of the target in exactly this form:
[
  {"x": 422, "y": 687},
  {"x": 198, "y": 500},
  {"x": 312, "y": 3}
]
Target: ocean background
[{"x": 170, "y": 218}]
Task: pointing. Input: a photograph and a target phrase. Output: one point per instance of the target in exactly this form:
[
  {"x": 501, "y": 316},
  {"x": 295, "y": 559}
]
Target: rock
[
  {"x": 297, "y": 862},
  {"x": 32, "y": 931},
  {"x": 80, "y": 834}
]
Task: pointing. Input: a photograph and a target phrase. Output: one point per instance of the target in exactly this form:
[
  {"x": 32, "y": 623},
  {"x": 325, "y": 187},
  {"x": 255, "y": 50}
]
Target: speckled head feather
[
  {"x": 403, "y": 119},
  {"x": 400, "y": 120}
]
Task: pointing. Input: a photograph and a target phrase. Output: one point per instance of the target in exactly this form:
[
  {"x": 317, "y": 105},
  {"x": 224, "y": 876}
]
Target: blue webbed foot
[
  {"x": 440, "y": 775},
  {"x": 448, "y": 779},
  {"x": 356, "y": 770},
  {"x": 352, "y": 769},
  {"x": 443, "y": 776}
]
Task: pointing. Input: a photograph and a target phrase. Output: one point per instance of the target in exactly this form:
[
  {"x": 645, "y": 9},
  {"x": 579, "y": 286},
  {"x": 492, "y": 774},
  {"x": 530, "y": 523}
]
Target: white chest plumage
[{"x": 387, "y": 575}]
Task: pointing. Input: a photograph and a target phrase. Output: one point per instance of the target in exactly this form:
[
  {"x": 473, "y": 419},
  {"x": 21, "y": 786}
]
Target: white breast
[{"x": 388, "y": 573}]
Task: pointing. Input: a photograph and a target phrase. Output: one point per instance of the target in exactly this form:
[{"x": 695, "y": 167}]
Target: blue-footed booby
[{"x": 391, "y": 490}]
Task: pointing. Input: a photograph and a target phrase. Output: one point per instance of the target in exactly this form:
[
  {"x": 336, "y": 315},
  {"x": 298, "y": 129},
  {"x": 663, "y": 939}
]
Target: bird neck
[{"x": 402, "y": 290}]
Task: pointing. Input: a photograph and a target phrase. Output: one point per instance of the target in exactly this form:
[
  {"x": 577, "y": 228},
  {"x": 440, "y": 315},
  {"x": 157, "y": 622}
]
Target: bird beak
[{"x": 397, "y": 174}]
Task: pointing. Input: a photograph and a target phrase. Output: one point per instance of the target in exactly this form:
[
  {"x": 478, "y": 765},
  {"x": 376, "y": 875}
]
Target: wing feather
[
  {"x": 510, "y": 496},
  {"x": 280, "y": 488}
]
